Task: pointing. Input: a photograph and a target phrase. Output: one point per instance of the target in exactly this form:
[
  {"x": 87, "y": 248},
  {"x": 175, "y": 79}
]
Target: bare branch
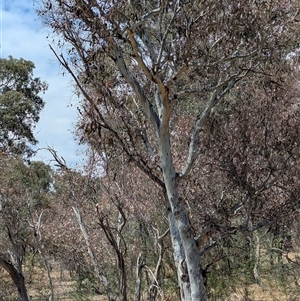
[
  {"x": 220, "y": 91},
  {"x": 163, "y": 41},
  {"x": 102, "y": 278},
  {"x": 131, "y": 80}
]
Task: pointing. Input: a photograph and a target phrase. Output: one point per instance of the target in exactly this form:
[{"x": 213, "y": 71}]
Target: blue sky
[{"x": 22, "y": 35}]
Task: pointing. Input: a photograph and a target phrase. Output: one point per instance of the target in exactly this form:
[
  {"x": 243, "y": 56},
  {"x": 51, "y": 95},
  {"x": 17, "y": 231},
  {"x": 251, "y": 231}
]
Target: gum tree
[
  {"x": 140, "y": 65},
  {"x": 20, "y": 105},
  {"x": 20, "y": 192}
]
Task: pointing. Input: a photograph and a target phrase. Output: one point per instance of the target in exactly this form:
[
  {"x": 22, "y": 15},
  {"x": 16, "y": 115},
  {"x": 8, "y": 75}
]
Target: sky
[{"x": 23, "y": 36}]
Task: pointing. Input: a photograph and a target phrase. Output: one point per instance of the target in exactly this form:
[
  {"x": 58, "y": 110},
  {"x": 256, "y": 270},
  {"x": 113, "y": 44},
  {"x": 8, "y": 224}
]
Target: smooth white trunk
[
  {"x": 179, "y": 256},
  {"x": 186, "y": 254}
]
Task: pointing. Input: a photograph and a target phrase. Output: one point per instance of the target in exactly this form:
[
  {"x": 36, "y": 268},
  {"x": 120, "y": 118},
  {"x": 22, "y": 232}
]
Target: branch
[
  {"x": 36, "y": 226},
  {"x": 9, "y": 267},
  {"x": 15, "y": 275},
  {"x": 100, "y": 274},
  {"x": 61, "y": 162},
  {"x": 131, "y": 80},
  {"x": 150, "y": 76},
  {"x": 147, "y": 42},
  {"x": 195, "y": 135},
  {"x": 145, "y": 18},
  {"x": 118, "y": 205},
  {"x": 138, "y": 283},
  {"x": 218, "y": 94},
  {"x": 148, "y": 146},
  {"x": 140, "y": 164},
  {"x": 163, "y": 42},
  {"x": 65, "y": 64},
  {"x": 187, "y": 92},
  {"x": 177, "y": 75},
  {"x": 139, "y": 59},
  {"x": 161, "y": 237}
]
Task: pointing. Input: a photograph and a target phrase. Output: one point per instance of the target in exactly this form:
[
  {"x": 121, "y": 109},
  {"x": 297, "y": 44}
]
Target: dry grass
[{"x": 64, "y": 287}]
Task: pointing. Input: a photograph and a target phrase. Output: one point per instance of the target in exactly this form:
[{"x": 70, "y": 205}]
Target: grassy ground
[{"x": 66, "y": 288}]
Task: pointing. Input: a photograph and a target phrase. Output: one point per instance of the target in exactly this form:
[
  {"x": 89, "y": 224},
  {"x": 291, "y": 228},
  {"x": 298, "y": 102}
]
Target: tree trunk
[
  {"x": 186, "y": 257},
  {"x": 178, "y": 255},
  {"x": 102, "y": 278},
  {"x": 138, "y": 282},
  {"x": 186, "y": 254},
  {"x": 16, "y": 276},
  {"x": 157, "y": 274}
]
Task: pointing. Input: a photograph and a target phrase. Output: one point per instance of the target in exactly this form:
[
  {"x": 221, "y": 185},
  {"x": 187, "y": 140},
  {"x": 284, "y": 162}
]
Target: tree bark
[
  {"x": 178, "y": 255},
  {"x": 186, "y": 254},
  {"x": 138, "y": 282},
  {"x": 16, "y": 276}
]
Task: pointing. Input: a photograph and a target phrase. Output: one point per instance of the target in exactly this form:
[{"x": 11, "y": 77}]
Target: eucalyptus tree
[
  {"x": 23, "y": 192},
  {"x": 141, "y": 65},
  {"x": 250, "y": 182},
  {"x": 22, "y": 186},
  {"x": 20, "y": 105}
]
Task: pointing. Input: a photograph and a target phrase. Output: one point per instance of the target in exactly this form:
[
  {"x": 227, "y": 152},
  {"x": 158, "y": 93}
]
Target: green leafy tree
[
  {"x": 23, "y": 187},
  {"x": 20, "y": 105}
]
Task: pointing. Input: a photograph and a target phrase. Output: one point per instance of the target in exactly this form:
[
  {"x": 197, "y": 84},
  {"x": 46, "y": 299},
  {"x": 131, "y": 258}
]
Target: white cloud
[{"x": 23, "y": 36}]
